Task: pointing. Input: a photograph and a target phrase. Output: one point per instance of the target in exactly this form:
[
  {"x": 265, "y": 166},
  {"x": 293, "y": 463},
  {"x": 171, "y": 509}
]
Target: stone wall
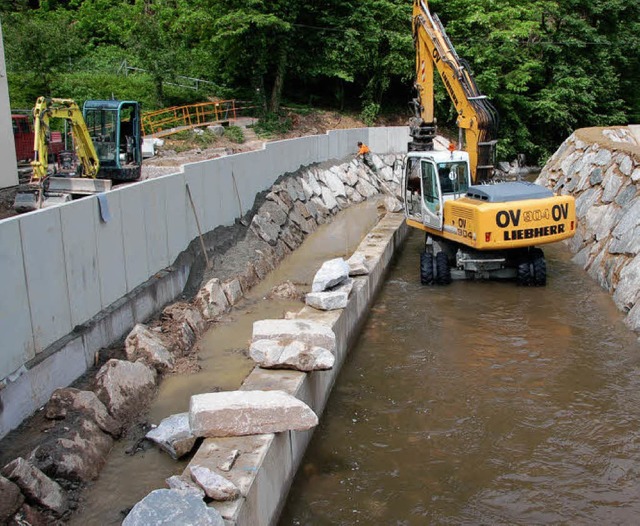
[{"x": 600, "y": 167}]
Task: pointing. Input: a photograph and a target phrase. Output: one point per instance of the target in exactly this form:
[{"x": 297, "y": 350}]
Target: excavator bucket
[{"x": 30, "y": 201}]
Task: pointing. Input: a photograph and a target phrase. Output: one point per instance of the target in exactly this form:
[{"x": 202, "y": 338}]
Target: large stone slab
[
  {"x": 171, "y": 508},
  {"x": 237, "y": 413},
  {"x": 296, "y": 355},
  {"x": 307, "y": 331},
  {"x": 36, "y": 486},
  {"x": 125, "y": 387},
  {"x": 330, "y": 274},
  {"x": 331, "y": 299},
  {"x": 173, "y": 435}
]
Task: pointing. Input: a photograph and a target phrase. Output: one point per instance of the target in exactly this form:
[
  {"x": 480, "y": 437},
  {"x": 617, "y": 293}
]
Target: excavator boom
[
  {"x": 47, "y": 109},
  {"x": 477, "y": 117}
]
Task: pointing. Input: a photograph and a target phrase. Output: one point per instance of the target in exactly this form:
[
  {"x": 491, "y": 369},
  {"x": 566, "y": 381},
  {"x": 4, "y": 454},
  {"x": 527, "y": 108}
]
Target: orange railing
[{"x": 167, "y": 121}]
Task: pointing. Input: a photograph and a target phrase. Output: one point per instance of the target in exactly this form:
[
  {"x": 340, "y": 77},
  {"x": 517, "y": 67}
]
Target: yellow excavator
[
  {"x": 107, "y": 147},
  {"x": 475, "y": 227}
]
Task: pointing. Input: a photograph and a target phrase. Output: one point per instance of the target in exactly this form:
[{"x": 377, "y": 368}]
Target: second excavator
[{"x": 474, "y": 227}]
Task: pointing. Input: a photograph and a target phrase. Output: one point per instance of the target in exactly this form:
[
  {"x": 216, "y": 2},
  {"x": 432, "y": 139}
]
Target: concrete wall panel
[
  {"x": 46, "y": 276},
  {"x": 15, "y": 321},
  {"x": 153, "y": 206},
  {"x": 112, "y": 278},
  {"x": 194, "y": 177},
  {"x": 396, "y": 138},
  {"x": 81, "y": 258},
  {"x": 322, "y": 148},
  {"x": 215, "y": 172},
  {"x": 134, "y": 235},
  {"x": 378, "y": 140},
  {"x": 176, "y": 214}
]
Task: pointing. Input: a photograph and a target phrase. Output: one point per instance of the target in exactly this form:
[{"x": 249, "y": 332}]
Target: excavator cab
[
  {"x": 114, "y": 128},
  {"x": 430, "y": 180}
]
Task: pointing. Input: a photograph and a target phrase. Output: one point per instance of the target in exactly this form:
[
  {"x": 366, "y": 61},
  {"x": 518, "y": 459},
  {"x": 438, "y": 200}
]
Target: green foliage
[
  {"x": 234, "y": 134},
  {"x": 370, "y": 113},
  {"x": 548, "y": 65},
  {"x": 272, "y": 124}
]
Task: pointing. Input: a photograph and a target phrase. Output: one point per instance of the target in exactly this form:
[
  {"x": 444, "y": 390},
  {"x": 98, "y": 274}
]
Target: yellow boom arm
[
  {"x": 47, "y": 109},
  {"x": 476, "y": 115}
]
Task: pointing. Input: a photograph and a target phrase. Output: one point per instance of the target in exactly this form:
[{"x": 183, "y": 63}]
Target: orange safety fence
[{"x": 167, "y": 121}]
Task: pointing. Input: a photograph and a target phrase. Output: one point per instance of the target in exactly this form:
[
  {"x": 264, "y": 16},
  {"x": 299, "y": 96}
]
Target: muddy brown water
[
  {"x": 223, "y": 357},
  {"x": 480, "y": 403}
]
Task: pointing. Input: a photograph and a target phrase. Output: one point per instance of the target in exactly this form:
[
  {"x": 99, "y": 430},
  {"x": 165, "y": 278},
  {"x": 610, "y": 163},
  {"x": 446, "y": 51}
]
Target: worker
[{"x": 365, "y": 153}]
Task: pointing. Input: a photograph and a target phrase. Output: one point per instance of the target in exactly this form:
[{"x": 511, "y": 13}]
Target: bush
[
  {"x": 370, "y": 113},
  {"x": 272, "y": 124},
  {"x": 234, "y": 134}
]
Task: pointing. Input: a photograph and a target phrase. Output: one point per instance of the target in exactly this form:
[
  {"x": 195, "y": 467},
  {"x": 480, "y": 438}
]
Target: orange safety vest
[{"x": 363, "y": 149}]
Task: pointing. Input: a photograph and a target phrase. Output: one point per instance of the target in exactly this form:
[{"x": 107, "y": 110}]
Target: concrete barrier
[
  {"x": 73, "y": 276},
  {"x": 268, "y": 463}
]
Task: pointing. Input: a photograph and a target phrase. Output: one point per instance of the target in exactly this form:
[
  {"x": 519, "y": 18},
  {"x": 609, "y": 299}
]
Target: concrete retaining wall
[
  {"x": 75, "y": 277},
  {"x": 600, "y": 167},
  {"x": 268, "y": 463}
]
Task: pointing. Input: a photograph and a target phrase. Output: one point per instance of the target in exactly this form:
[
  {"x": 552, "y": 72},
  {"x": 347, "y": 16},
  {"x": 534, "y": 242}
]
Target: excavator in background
[
  {"x": 107, "y": 148},
  {"x": 475, "y": 227}
]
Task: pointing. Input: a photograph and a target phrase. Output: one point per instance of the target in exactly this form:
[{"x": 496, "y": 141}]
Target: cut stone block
[
  {"x": 237, "y": 413},
  {"x": 330, "y": 274},
  {"x": 215, "y": 486},
  {"x": 174, "y": 435},
  {"x": 167, "y": 507},
  {"x": 297, "y": 355},
  {"x": 307, "y": 331},
  {"x": 358, "y": 264}
]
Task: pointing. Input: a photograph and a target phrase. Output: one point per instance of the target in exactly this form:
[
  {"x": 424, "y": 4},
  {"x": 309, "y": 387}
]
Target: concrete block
[
  {"x": 46, "y": 276},
  {"x": 15, "y": 320},
  {"x": 112, "y": 277},
  {"x": 322, "y": 148},
  {"x": 176, "y": 214},
  {"x": 378, "y": 140},
  {"x": 134, "y": 235},
  {"x": 153, "y": 205},
  {"x": 81, "y": 258}
]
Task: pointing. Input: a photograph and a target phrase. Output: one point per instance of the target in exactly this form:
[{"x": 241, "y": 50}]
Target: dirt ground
[{"x": 169, "y": 157}]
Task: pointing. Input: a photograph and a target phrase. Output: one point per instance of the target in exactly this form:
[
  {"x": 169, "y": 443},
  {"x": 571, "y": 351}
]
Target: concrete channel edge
[{"x": 268, "y": 463}]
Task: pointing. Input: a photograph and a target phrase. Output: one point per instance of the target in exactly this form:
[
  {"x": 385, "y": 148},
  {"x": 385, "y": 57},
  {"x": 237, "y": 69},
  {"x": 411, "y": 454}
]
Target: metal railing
[{"x": 166, "y": 121}]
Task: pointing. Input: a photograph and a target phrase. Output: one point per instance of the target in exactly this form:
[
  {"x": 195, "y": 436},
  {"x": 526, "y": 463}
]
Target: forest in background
[{"x": 549, "y": 66}]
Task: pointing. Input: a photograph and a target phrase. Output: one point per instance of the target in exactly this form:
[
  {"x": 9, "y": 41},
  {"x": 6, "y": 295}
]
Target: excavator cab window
[
  {"x": 103, "y": 126},
  {"x": 454, "y": 177}
]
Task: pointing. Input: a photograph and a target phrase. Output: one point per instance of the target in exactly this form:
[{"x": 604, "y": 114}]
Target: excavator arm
[
  {"x": 47, "y": 109},
  {"x": 477, "y": 117}
]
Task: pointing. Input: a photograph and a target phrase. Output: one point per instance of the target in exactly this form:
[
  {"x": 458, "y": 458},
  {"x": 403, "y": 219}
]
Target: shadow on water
[{"x": 480, "y": 403}]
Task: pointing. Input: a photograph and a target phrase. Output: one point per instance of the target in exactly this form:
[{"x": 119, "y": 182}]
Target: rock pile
[{"x": 601, "y": 168}]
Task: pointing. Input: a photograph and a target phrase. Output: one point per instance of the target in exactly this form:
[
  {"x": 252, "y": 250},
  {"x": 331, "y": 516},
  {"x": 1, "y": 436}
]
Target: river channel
[
  {"x": 480, "y": 403},
  {"x": 224, "y": 365}
]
